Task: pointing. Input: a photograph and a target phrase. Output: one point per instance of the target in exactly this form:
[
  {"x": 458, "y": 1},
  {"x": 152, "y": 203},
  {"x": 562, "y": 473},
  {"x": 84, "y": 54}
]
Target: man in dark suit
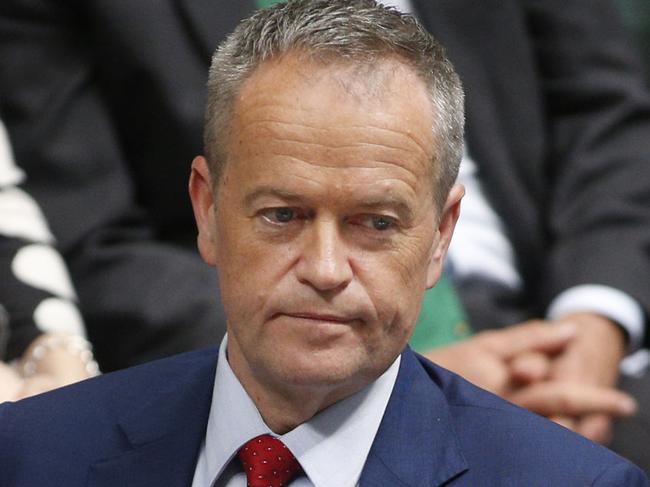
[
  {"x": 555, "y": 120},
  {"x": 326, "y": 201},
  {"x": 83, "y": 137}
]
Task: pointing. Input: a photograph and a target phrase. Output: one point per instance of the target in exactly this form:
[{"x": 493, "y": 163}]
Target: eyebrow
[
  {"x": 401, "y": 207},
  {"x": 372, "y": 203},
  {"x": 271, "y": 191}
]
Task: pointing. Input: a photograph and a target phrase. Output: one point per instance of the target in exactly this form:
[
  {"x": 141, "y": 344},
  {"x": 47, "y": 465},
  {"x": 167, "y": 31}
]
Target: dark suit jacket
[
  {"x": 104, "y": 102},
  {"x": 144, "y": 427}
]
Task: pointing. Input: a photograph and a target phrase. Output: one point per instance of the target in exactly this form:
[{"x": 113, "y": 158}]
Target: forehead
[
  {"x": 387, "y": 95},
  {"x": 299, "y": 112}
]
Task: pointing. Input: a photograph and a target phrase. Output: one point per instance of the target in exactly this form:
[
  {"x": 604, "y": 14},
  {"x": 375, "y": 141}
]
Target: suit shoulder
[
  {"x": 70, "y": 422},
  {"x": 495, "y": 434},
  {"x": 116, "y": 389}
]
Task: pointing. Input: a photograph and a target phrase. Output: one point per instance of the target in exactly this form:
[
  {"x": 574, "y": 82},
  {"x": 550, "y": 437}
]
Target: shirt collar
[{"x": 331, "y": 447}]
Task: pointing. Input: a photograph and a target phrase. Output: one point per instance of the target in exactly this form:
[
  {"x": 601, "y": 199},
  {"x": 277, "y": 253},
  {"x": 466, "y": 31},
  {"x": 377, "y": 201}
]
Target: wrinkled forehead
[
  {"x": 331, "y": 95},
  {"x": 293, "y": 115}
]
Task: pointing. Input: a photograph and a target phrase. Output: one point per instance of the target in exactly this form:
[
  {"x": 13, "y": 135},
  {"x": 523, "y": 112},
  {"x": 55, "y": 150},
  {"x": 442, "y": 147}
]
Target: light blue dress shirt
[{"x": 331, "y": 447}]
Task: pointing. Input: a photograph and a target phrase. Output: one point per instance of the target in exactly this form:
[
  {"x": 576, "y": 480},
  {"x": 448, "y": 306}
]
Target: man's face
[{"x": 323, "y": 227}]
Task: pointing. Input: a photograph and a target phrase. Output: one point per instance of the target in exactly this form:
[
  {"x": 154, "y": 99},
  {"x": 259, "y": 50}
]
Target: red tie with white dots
[{"x": 268, "y": 462}]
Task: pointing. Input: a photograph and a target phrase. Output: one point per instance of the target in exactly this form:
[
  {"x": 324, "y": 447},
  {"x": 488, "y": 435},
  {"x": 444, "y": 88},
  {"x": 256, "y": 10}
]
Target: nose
[{"x": 324, "y": 262}]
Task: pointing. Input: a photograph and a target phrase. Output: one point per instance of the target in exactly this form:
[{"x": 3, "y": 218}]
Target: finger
[
  {"x": 566, "y": 421},
  {"x": 530, "y": 367},
  {"x": 592, "y": 358},
  {"x": 573, "y": 399},
  {"x": 596, "y": 427},
  {"x": 530, "y": 336}
]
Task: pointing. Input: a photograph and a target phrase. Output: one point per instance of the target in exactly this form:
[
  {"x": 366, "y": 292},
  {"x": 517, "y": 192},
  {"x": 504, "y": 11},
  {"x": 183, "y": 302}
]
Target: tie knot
[{"x": 268, "y": 462}]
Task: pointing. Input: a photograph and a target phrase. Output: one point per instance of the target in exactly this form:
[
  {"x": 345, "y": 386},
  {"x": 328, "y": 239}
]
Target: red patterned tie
[{"x": 268, "y": 462}]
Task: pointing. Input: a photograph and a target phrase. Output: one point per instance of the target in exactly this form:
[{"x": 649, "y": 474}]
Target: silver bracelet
[{"x": 73, "y": 344}]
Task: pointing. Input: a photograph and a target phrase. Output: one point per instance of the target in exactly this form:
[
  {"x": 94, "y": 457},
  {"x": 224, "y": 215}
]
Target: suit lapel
[
  {"x": 164, "y": 435},
  {"x": 416, "y": 443},
  {"x": 209, "y": 21}
]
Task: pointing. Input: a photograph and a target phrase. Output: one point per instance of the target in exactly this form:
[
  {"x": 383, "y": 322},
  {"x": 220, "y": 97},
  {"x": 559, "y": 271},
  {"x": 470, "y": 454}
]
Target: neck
[
  {"x": 283, "y": 405},
  {"x": 284, "y": 411}
]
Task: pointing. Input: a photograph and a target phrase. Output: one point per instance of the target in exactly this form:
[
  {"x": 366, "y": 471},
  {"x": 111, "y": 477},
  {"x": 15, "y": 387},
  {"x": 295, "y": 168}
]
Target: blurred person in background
[{"x": 42, "y": 344}]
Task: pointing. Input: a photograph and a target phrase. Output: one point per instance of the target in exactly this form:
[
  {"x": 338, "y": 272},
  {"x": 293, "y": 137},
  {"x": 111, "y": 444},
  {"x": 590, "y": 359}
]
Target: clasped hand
[{"x": 565, "y": 370}]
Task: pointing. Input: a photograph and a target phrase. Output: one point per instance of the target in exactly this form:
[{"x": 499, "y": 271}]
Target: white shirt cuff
[{"x": 603, "y": 300}]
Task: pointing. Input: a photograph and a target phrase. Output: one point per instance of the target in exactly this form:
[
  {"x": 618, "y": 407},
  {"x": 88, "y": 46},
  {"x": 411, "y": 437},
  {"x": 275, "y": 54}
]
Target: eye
[
  {"x": 378, "y": 223},
  {"x": 381, "y": 223},
  {"x": 283, "y": 215},
  {"x": 279, "y": 215}
]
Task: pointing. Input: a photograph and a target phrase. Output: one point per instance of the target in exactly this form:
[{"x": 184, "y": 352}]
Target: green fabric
[
  {"x": 266, "y": 3},
  {"x": 442, "y": 319},
  {"x": 636, "y": 15}
]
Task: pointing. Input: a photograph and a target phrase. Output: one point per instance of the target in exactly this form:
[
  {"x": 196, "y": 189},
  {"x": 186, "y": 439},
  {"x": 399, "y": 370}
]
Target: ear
[
  {"x": 446, "y": 225},
  {"x": 202, "y": 197}
]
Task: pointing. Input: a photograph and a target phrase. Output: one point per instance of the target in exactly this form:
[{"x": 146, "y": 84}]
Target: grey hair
[{"x": 360, "y": 32}]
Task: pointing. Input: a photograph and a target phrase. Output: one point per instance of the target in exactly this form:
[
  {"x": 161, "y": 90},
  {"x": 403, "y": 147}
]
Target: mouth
[{"x": 321, "y": 318}]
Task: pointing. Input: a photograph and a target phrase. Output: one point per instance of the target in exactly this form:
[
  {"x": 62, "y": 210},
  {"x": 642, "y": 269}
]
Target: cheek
[
  {"x": 408, "y": 263},
  {"x": 238, "y": 266},
  {"x": 250, "y": 270},
  {"x": 394, "y": 281}
]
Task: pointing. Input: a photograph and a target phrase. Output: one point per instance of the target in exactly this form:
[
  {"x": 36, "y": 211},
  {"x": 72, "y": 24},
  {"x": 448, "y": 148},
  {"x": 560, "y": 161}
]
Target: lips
[{"x": 321, "y": 317}]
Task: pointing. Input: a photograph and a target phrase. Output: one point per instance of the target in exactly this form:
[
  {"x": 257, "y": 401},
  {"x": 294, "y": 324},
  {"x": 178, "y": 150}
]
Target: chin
[{"x": 322, "y": 369}]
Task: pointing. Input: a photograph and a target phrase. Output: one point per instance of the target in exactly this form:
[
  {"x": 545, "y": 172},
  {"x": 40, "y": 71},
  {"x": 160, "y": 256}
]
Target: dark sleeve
[
  {"x": 19, "y": 301},
  {"x": 598, "y": 213},
  {"x": 141, "y": 298},
  {"x": 36, "y": 294}
]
